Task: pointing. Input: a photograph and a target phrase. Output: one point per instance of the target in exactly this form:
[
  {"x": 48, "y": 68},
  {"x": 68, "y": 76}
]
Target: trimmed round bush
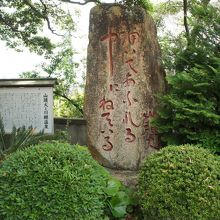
[
  {"x": 180, "y": 182},
  {"x": 52, "y": 181}
]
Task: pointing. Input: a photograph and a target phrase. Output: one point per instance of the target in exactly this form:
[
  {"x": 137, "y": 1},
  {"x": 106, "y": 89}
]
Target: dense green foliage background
[{"x": 190, "y": 111}]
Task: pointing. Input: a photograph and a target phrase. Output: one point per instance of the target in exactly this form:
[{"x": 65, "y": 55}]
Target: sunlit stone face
[{"x": 123, "y": 75}]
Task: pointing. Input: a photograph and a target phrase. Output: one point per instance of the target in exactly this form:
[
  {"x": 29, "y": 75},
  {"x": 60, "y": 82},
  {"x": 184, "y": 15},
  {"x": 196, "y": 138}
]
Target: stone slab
[{"x": 123, "y": 75}]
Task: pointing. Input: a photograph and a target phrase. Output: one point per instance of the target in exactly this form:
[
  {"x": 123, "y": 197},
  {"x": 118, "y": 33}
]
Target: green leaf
[
  {"x": 121, "y": 198},
  {"x": 112, "y": 187},
  {"x": 119, "y": 211}
]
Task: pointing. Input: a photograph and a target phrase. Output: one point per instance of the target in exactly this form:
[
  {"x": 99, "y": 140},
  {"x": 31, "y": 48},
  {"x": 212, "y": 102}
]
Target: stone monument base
[{"x": 127, "y": 177}]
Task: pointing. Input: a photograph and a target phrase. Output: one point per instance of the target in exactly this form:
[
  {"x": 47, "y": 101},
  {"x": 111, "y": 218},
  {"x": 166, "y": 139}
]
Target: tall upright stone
[{"x": 123, "y": 75}]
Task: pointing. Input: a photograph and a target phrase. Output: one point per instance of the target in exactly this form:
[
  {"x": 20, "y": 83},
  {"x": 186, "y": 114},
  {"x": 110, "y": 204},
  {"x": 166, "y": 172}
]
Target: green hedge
[
  {"x": 52, "y": 181},
  {"x": 180, "y": 182}
]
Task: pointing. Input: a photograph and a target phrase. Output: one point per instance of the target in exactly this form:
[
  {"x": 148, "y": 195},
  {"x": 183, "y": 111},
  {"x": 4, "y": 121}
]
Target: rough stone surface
[
  {"x": 123, "y": 75},
  {"x": 127, "y": 177}
]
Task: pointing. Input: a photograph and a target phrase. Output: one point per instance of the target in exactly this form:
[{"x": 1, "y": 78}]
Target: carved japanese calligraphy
[
  {"x": 129, "y": 62},
  {"x": 106, "y": 104},
  {"x": 129, "y": 81},
  {"x": 128, "y": 98},
  {"x": 150, "y": 132},
  {"x": 129, "y": 136},
  {"x": 106, "y": 115},
  {"x": 110, "y": 37},
  {"x": 133, "y": 37},
  {"x": 128, "y": 119},
  {"x": 123, "y": 74},
  {"x": 108, "y": 146},
  {"x": 114, "y": 87}
]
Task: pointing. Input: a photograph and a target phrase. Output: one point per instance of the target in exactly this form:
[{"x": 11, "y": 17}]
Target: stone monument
[
  {"x": 27, "y": 102},
  {"x": 123, "y": 75}
]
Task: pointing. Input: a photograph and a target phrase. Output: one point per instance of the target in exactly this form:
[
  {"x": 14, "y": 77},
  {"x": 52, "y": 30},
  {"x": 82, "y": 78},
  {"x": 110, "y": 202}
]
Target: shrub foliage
[
  {"x": 180, "y": 183},
  {"x": 190, "y": 112},
  {"x": 52, "y": 181}
]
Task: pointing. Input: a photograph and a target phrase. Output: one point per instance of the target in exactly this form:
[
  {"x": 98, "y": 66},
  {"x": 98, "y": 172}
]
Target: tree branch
[
  {"x": 48, "y": 21},
  {"x": 185, "y": 4},
  {"x": 69, "y": 100},
  {"x": 44, "y": 15},
  {"x": 80, "y": 3}
]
